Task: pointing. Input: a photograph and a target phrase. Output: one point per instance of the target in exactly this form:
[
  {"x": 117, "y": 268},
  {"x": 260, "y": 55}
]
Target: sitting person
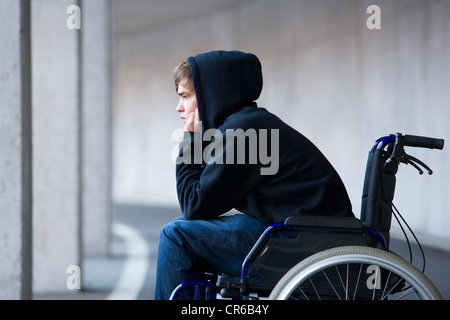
[{"x": 219, "y": 171}]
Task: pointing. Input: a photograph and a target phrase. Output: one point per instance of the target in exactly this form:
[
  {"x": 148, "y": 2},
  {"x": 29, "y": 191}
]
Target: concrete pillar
[
  {"x": 56, "y": 145},
  {"x": 96, "y": 56},
  {"x": 15, "y": 151}
]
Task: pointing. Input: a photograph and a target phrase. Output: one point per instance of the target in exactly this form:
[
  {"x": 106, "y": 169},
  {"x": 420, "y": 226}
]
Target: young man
[{"x": 223, "y": 165}]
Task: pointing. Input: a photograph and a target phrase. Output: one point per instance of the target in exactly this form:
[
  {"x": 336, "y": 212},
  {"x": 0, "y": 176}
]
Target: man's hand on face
[{"x": 193, "y": 123}]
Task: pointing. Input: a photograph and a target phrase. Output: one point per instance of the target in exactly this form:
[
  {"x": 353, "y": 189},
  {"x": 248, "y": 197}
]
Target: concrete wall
[
  {"x": 71, "y": 77},
  {"x": 96, "y": 118},
  {"x": 56, "y": 146},
  {"x": 15, "y": 151},
  {"x": 325, "y": 73}
]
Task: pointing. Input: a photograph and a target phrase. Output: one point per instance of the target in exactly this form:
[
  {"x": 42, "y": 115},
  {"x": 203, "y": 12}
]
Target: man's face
[{"x": 188, "y": 100}]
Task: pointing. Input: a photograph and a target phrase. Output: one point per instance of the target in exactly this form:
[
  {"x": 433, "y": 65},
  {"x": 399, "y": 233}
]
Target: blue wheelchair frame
[
  {"x": 204, "y": 289},
  {"x": 370, "y": 215}
]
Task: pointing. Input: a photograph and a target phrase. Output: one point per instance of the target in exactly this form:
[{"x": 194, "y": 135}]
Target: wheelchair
[{"x": 334, "y": 258}]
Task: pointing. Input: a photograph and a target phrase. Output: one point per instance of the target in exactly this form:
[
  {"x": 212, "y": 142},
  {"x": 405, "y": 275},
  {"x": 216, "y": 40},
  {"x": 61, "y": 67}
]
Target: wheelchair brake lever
[
  {"x": 415, "y": 166},
  {"x": 399, "y": 155},
  {"x": 414, "y": 161}
]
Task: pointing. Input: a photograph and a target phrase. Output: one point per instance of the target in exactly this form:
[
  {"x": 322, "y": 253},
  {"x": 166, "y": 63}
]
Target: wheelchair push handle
[
  {"x": 423, "y": 142},
  {"x": 399, "y": 154}
]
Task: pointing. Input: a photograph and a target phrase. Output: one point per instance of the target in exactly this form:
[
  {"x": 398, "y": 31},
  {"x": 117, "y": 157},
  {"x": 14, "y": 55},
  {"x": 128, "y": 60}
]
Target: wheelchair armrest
[{"x": 324, "y": 222}]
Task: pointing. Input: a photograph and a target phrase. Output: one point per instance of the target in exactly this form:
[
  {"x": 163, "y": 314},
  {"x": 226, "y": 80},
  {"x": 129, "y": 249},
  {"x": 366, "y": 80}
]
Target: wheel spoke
[
  {"x": 337, "y": 294},
  {"x": 409, "y": 291},
  {"x": 357, "y": 281},
  {"x": 346, "y": 283},
  {"x": 303, "y": 293},
  {"x": 318, "y": 296},
  {"x": 385, "y": 286},
  {"x": 398, "y": 282},
  {"x": 340, "y": 278}
]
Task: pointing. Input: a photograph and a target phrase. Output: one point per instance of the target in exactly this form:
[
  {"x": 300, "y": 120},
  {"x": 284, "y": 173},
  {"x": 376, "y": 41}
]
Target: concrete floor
[{"x": 101, "y": 274}]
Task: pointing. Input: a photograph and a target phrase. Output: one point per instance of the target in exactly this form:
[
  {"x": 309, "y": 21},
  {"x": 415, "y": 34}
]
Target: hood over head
[{"x": 224, "y": 82}]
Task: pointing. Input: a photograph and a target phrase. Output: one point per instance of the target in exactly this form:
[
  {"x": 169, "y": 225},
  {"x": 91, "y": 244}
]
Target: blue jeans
[{"x": 189, "y": 248}]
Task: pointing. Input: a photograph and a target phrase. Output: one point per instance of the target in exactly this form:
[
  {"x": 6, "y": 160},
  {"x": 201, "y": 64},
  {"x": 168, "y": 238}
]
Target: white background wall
[{"x": 325, "y": 73}]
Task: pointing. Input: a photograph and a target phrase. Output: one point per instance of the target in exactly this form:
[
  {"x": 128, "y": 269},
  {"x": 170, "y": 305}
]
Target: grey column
[
  {"x": 96, "y": 56},
  {"x": 15, "y": 151},
  {"x": 56, "y": 145}
]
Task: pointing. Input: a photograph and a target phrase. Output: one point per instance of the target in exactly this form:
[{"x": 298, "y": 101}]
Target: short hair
[{"x": 183, "y": 71}]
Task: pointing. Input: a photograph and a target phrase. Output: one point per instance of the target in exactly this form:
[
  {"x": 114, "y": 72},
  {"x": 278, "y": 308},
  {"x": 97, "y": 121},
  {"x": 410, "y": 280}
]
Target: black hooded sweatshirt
[{"x": 298, "y": 181}]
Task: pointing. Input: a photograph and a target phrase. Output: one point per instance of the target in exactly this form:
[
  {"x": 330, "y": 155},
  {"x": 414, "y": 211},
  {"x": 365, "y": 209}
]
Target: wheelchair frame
[{"x": 374, "y": 223}]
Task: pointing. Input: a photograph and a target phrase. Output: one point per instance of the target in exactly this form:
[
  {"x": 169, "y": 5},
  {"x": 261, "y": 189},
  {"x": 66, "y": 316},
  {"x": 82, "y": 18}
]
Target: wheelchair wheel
[{"x": 352, "y": 273}]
